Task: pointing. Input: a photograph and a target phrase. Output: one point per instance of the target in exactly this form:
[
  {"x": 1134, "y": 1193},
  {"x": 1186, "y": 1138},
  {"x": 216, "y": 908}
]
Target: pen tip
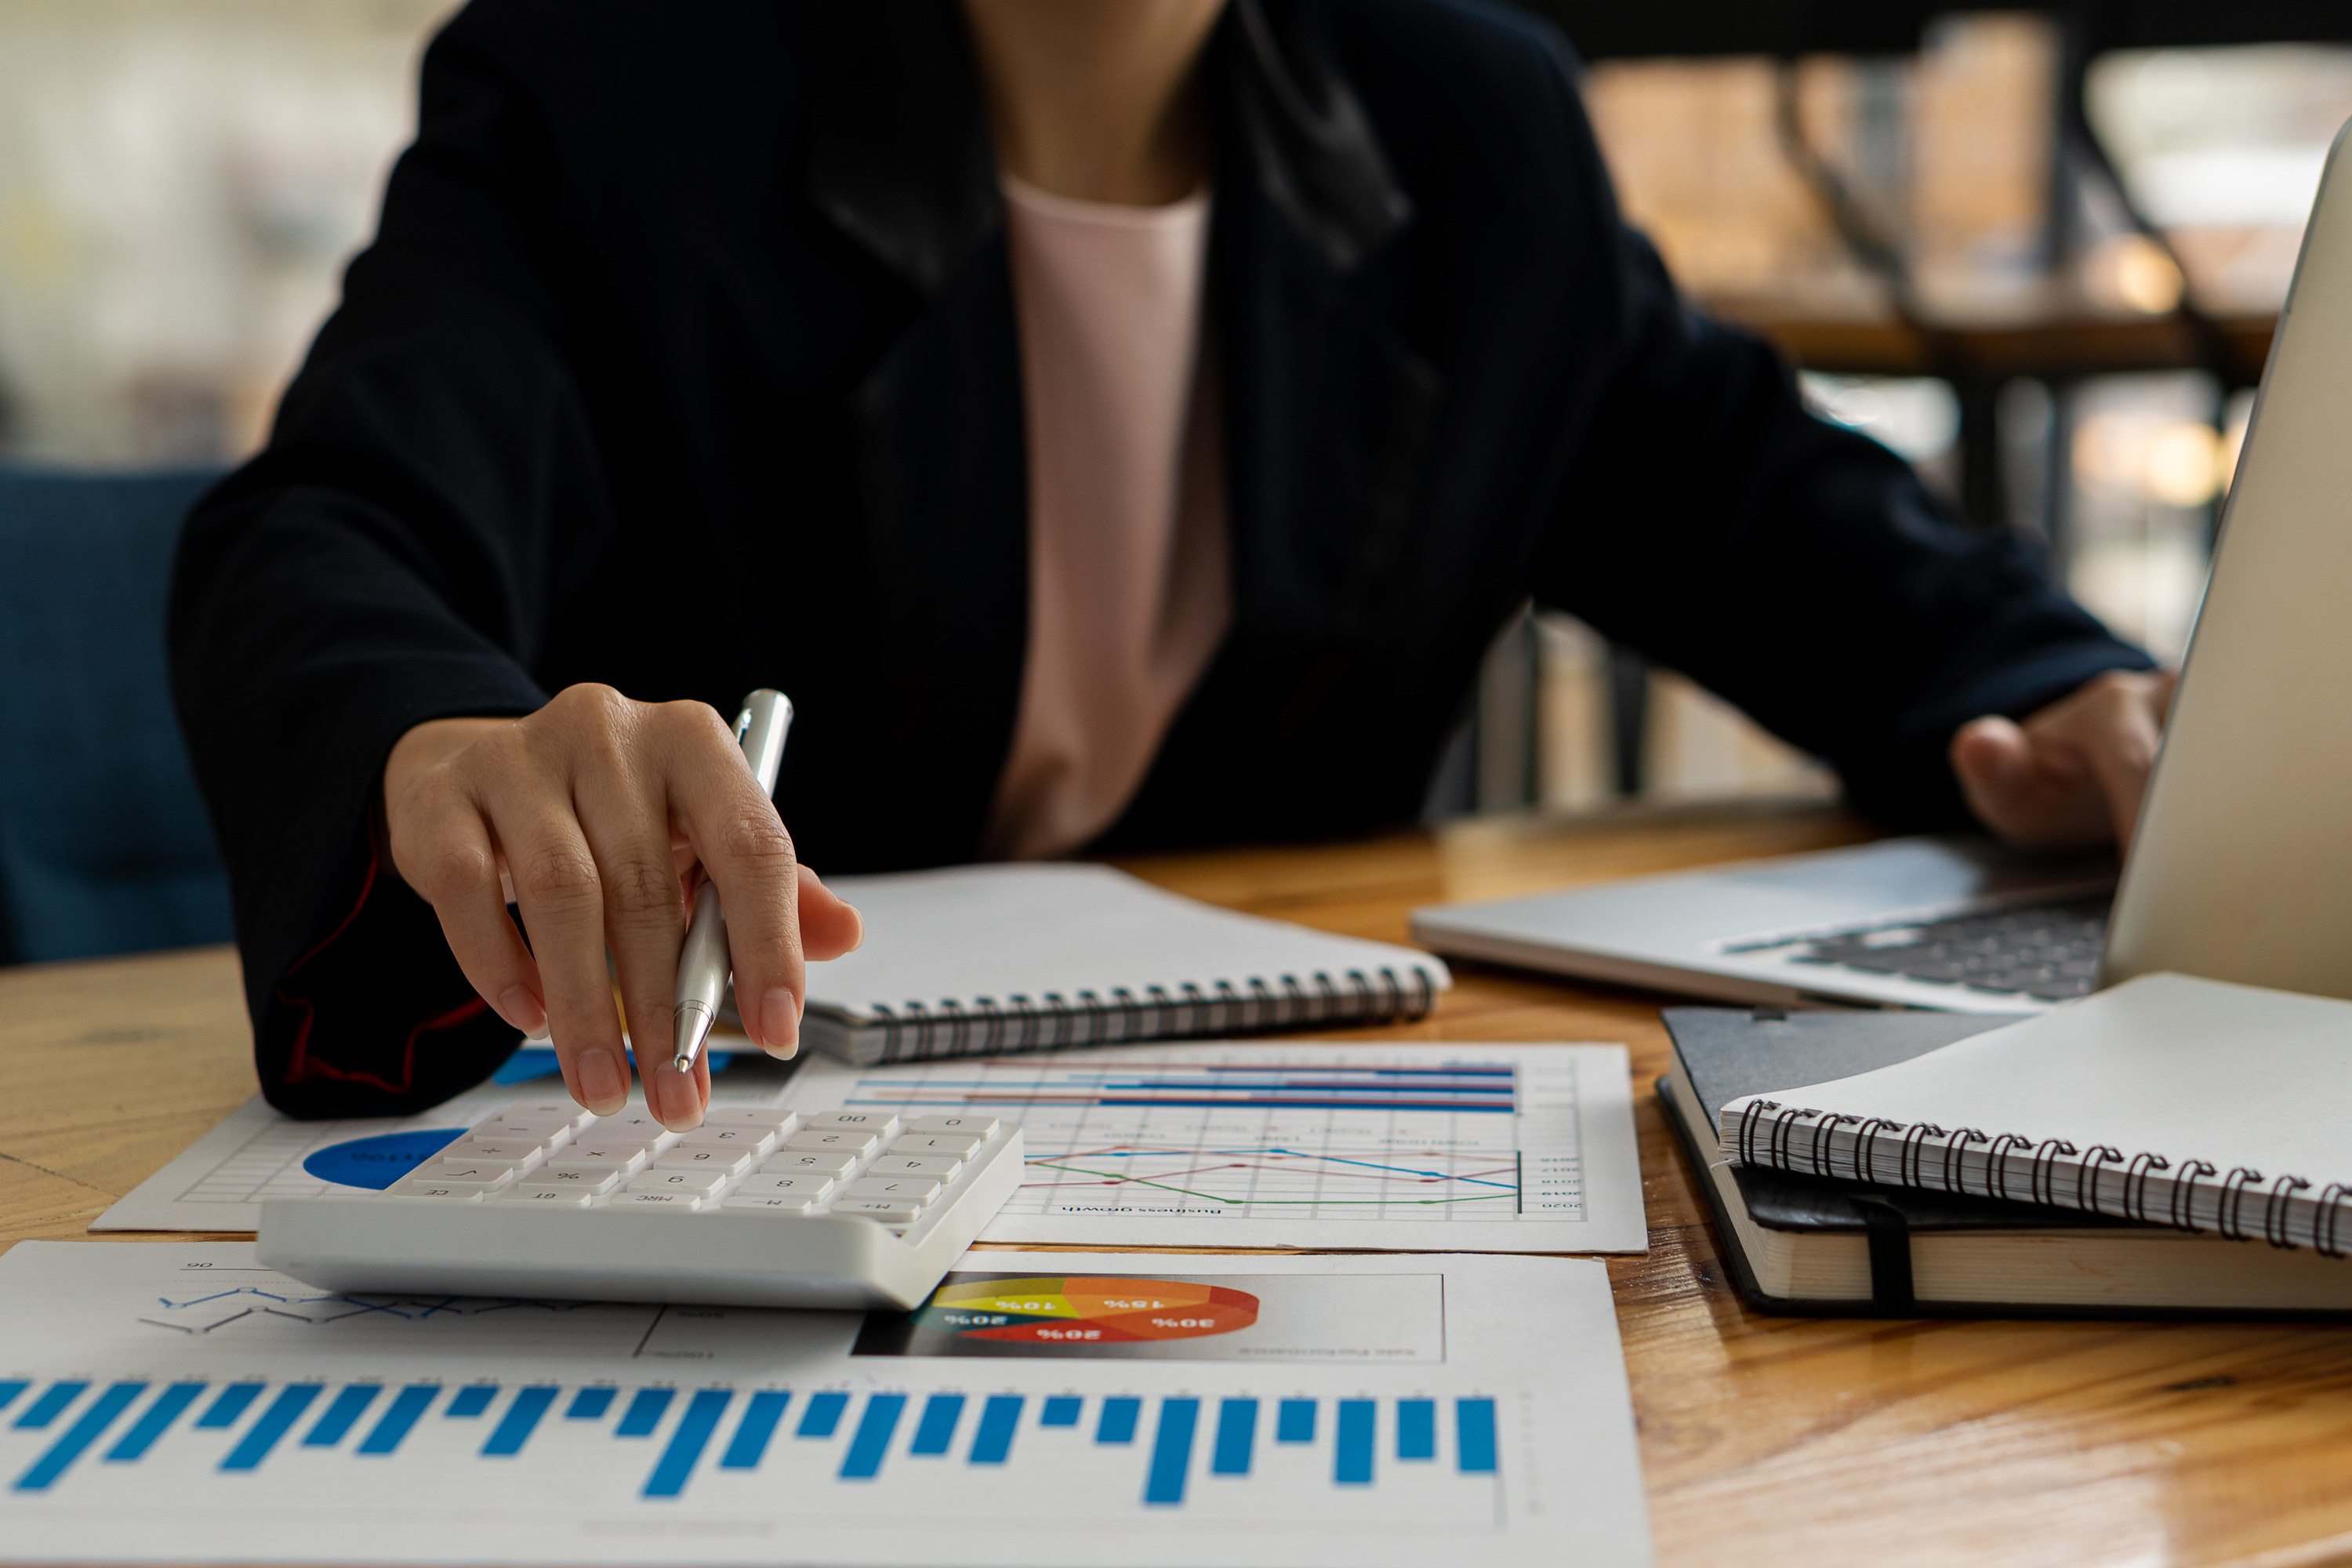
[{"x": 693, "y": 1028}]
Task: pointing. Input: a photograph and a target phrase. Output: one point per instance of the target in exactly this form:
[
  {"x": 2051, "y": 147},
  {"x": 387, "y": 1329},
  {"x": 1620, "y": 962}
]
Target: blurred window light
[
  {"x": 1916, "y": 417},
  {"x": 2152, "y": 457},
  {"x": 2131, "y": 272}
]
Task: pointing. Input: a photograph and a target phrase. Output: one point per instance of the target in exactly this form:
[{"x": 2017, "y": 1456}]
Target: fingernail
[
  {"x": 780, "y": 1025},
  {"x": 861, "y": 927},
  {"x": 604, "y": 1086},
  {"x": 518, "y": 1007},
  {"x": 686, "y": 1117}
]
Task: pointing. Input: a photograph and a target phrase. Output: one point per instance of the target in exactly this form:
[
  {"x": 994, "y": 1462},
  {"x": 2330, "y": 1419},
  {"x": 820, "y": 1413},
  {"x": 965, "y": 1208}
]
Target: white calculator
[{"x": 757, "y": 1207}]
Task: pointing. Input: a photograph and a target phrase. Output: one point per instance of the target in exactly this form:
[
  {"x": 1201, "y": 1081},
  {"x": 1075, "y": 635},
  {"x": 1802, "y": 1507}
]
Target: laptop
[{"x": 2242, "y": 867}]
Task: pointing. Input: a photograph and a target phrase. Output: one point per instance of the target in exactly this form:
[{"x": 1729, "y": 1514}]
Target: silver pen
[{"x": 703, "y": 965}]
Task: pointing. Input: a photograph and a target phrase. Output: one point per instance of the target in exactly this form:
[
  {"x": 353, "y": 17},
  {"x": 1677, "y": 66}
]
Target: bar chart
[{"x": 1172, "y": 1445}]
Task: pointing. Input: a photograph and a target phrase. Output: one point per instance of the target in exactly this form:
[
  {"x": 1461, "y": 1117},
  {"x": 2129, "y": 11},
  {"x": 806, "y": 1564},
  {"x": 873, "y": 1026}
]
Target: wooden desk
[{"x": 1767, "y": 1440}]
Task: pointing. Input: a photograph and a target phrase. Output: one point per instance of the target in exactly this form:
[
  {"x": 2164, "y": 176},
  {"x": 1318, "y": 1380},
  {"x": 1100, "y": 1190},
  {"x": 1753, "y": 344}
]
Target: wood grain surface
[{"x": 1815, "y": 1443}]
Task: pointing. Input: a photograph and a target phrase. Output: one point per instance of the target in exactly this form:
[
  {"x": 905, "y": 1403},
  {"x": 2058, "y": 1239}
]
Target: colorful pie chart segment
[{"x": 1078, "y": 1310}]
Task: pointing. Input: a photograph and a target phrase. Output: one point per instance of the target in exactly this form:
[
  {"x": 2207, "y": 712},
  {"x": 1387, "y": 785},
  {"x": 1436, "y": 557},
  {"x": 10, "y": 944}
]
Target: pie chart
[{"x": 1083, "y": 1310}]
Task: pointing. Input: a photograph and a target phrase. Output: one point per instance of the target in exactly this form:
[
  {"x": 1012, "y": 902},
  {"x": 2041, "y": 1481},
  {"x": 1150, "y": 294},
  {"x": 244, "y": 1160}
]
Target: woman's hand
[
  {"x": 2074, "y": 773},
  {"x": 592, "y": 815}
]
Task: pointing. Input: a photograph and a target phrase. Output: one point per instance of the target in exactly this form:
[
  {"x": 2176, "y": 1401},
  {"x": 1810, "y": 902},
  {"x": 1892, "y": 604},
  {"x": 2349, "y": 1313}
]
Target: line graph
[
  {"x": 206, "y": 1312},
  {"x": 1286, "y": 1176}
]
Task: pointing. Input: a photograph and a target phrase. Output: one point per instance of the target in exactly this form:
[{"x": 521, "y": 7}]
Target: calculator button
[
  {"x": 769, "y": 1203},
  {"x": 968, "y": 1125},
  {"x": 658, "y": 1202},
  {"x": 661, "y": 1181},
  {"x": 943, "y": 1166},
  {"x": 809, "y": 1186},
  {"x": 831, "y": 1162},
  {"x": 633, "y": 1125},
  {"x": 481, "y": 1177},
  {"x": 854, "y": 1141},
  {"x": 433, "y": 1191},
  {"x": 774, "y": 1119},
  {"x": 942, "y": 1143},
  {"x": 512, "y": 1151},
  {"x": 596, "y": 1179},
  {"x": 563, "y": 1110},
  {"x": 756, "y": 1141},
  {"x": 725, "y": 1159},
  {"x": 889, "y": 1211},
  {"x": 547, "y": 1198},
  {"x": 533, "y": 1129},
  {"x": 595, "y": 1154},
  {"x": 910, "y": 1189},
  {"x": 881, "y": 1123}
]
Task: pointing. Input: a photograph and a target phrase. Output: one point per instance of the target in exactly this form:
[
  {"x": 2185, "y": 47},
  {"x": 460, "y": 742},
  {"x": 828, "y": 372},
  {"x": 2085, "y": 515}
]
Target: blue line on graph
[
  {"x": 159, "y": 1416},
  {"x": 521, "y": 1419},
  {"x": 1416, "y": 1428},
  {"x": 80, "y": 1436},
  {"x": 407, "y": 1406},
  {"x": 1061, "y": 1410},
  {"x": 643, "y": 1414},
  {"x": 823, "y": 1414},
  {"x": 874, "y": 1429},
  {"x": 224, "y": 1410},
  {"x": 589, "y": 1405},
  {"x": 238, "y": 1291},
  {"x": 1474, "y": 1436},
  {"x": 1118, "y": 1423},
  {"x": 349, "y": 1405},
  {"x": 1172, "y": 1451},
  {"x": 50, "y": 1405},
  {"x": 750, "y": 1442},
  {"x": 687, "y": 1443},
  {"x": 1294, "y": 1421},
  {"x": 263, "y": 1435},
  {"x": 1352, "y": 1462},
  {"x": 472, "y": 1399},
  {"x": 1236, "y": 1434},
  {"x": 999, "y": 1418},
  {"x": 937, "y": 1428},
  {"x": 9, "y": 1391}
]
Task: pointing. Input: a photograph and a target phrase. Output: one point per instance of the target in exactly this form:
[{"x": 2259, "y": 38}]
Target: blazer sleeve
[
  {"x": 1796, "y": 568},
  {"x": 429, "y": 491}
]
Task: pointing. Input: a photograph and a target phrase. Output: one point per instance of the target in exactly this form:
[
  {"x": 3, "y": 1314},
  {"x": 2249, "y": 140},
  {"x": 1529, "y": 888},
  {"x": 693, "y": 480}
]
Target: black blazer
[{"x": 686, "y": 355}]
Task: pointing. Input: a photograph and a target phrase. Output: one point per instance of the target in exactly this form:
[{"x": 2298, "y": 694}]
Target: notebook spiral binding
[
  {"x": 1925, "y": 1155},
  {"x": 1055, "y": 1022}
]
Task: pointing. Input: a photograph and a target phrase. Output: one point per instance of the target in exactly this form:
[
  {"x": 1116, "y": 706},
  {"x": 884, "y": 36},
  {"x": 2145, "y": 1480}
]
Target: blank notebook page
[
  {"x": 996, "y": 931},
  {"x": 2234, "y": 1075}
]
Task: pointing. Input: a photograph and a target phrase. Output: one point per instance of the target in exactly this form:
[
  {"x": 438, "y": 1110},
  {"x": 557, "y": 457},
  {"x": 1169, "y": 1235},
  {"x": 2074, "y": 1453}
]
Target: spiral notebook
[
  {"x": 2168, "y": 1100},
  {"x": 980, "y": 959}
]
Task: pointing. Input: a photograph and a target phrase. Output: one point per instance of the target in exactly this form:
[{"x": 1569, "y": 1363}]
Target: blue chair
[{"x": 104, "y": 845}]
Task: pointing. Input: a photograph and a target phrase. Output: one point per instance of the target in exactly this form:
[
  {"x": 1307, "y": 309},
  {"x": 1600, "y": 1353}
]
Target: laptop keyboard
[{"x": 2047, "y": 952}]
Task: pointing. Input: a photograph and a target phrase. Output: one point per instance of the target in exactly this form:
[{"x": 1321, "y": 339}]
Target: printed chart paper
[
  {"x": 177, "y": 1402},
  {"x": 1438, "y": 1147}
]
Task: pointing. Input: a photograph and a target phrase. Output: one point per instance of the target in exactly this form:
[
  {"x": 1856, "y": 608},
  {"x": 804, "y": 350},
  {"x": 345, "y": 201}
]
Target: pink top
[{"x": 1128, "y": 590}]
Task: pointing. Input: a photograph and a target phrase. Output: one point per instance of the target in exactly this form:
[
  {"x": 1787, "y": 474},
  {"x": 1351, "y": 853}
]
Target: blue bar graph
[
  {"x": 1172, "y": 1451},
  {"x": 263, "y": 1435},
  {"x": 1294, "y": 1422},
  {"x": 1118, "y": 1423},
  {"x": 999, "y": 1418},
  {"x": 686, "y": 1444},
  {"x": 78, "y": 1437},
  {"x": 521, "y": 1419},
  {"x": 1236, "y": 1433},
  {"x": 874, "y": 1429},
  {"x": 1061, "y": 1410},
  {"x": 411, "y": 1403},
  {"x": 1352, "y": 1464},
  {"x": 50, "y": 1405},
  {"x": 472, "y": 1399},
  {"x": 230, "y": 1404},
  {"x": 348, "y": 1407},
  {"x": 643, "y": 1414},
  {"x": 750, "y": 1444},
  {"x": 157, "y": 1420},
  {"x": 1474, "y": 1436},
  {"x": 1416, "y": 1428},
  {"x": 936, "y": 1430},
  {"x": 589, "y": 1405},
  {"x": 823, "y": 1414},
  {"x": 9, "y": 1391}
]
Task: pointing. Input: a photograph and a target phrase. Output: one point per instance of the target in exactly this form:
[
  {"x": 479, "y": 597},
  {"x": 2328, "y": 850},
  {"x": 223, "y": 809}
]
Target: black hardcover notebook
[{"x": 1816, "y": 1247}]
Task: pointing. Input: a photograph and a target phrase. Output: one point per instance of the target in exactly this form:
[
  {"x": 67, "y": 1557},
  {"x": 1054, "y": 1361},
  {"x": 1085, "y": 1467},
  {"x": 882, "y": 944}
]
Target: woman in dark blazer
[{"x": 686, "y": 361}]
